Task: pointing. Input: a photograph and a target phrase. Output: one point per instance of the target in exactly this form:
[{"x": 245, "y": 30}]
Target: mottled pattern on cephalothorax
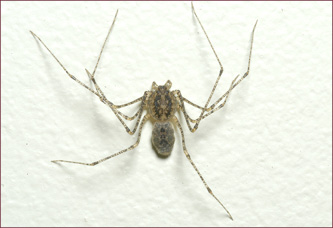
[
  {"x": 162, "y": 103},
  {"x": 163, "y": 138}
]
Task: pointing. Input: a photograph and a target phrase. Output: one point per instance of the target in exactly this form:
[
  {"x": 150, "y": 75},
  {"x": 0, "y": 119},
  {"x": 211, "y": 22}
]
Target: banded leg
[
  {"x": 114, "y": 107},
  {"x": 182, "y": 108},
  {"x": 246, "y": 73},
  {"x": 226, "y": 95},
  {"x": 70, "y": 75},
  {"x": 193, "y": 104},
  {"x": 196, "y": 169},
  {"x": 218, "y": 77},
  {"x": 145, "y": 118},
  {"x": 139, "y": 113},
  {"x": 212, "y": 108},
  {"x": 107, "y": 36},
  {"x": 105, "y": 100},
  {"x": 234, "y": 85},
  {"x": 97, "y": 93},
  {"x": 188, "y": 118},
  {"x": 109, "y": 103}
]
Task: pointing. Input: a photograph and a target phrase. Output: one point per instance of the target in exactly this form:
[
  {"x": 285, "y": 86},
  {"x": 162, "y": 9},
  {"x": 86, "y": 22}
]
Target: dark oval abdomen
[{"x": 163, "y": 138}]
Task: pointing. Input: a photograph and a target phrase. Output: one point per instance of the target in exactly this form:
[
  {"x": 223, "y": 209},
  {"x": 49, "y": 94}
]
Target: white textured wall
[{"x": 266, "y": 155}]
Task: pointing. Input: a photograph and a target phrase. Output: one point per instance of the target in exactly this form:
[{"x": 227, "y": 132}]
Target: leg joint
[
  {"x": 187, "y": 155},
  {"x": 94, "y": 163}
]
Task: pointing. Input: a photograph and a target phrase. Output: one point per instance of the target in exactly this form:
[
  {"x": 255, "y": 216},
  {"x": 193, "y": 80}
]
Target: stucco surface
[{"x": 267, "y": 154}]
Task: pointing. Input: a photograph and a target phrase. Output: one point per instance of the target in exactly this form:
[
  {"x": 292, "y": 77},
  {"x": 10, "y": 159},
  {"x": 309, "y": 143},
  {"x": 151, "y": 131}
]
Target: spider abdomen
[{"x": 163, "y": 138}]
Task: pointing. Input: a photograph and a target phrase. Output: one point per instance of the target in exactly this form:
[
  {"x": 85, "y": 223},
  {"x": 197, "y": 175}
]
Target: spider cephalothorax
[{"x": 162, "y": 103}]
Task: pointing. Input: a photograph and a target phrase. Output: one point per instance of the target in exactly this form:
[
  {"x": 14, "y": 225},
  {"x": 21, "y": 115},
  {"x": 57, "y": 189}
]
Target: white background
[{"x": 266, "y": 154}]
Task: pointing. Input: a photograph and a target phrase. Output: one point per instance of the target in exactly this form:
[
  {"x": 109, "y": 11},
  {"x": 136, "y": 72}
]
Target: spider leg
[
  {"x": 107, "y": 36},
  {"x": 218, "y": 77},
  {"x": 188, "y": 119},
  {"x": 213, "y": 107},
  {"x": 246, "y": 73},
  {"x": 103, "y": 98},
  {"x": 196, "y": 169},
  {"x": 92, "y": 76},
  {"x": 144, "y": 120},
  {"x": 98, "y": 91},
  {"x": 119, "y": 114},
  {"x": 139, "y": 113},
  {"x": 181, "y": 100},
  {"x": 226, "y": 95},
  {"x": 129, "y": 103},
  {"x": 70, "y": 75},
  {"x": 110, "y": 104},
  {"x": 193, "y": 104}
]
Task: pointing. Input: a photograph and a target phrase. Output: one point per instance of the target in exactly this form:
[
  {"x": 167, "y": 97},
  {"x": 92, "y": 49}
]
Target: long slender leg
[
  {"x": 188, "y": 118},
  {"x": 109, "y": 103},
  {"x": 213, "y": 107},
  {"x": 234, "y": 85},
  {"x": 116, "y": 112},
  {"x": 103, "y": 97},
  {"x": 92, "y": 76},
  {"x": 195, "y": 167},
  {"x": 193, "y": 104},
  {"x": 129, "y": 103},
  {"x": 98, "y": 92},
  {"x": 114, "y": 108},
  {"x": 130, "y": 117},
  {"x": 70, "y": 75},
  {"x": 246, "y": 73},
  {"x": 107, "y": 36},
  {"x": 181, "y": 100},
  {"x": 218, "y": 77},
  {"x": 226, "y": 95},
  {"x": 145, "y": 118}
]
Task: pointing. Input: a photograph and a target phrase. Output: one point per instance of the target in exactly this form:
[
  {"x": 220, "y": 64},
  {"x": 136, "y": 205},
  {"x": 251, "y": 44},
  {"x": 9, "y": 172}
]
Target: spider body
[{"x": 162, "y": 105}]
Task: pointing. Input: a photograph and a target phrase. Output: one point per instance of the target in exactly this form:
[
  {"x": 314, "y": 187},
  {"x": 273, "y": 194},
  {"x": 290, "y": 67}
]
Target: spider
[{"x": 160, "y": 104}]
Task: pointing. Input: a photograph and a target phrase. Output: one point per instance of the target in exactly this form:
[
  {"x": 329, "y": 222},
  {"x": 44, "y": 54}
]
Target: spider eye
[{"x": 168, "y": 84}]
